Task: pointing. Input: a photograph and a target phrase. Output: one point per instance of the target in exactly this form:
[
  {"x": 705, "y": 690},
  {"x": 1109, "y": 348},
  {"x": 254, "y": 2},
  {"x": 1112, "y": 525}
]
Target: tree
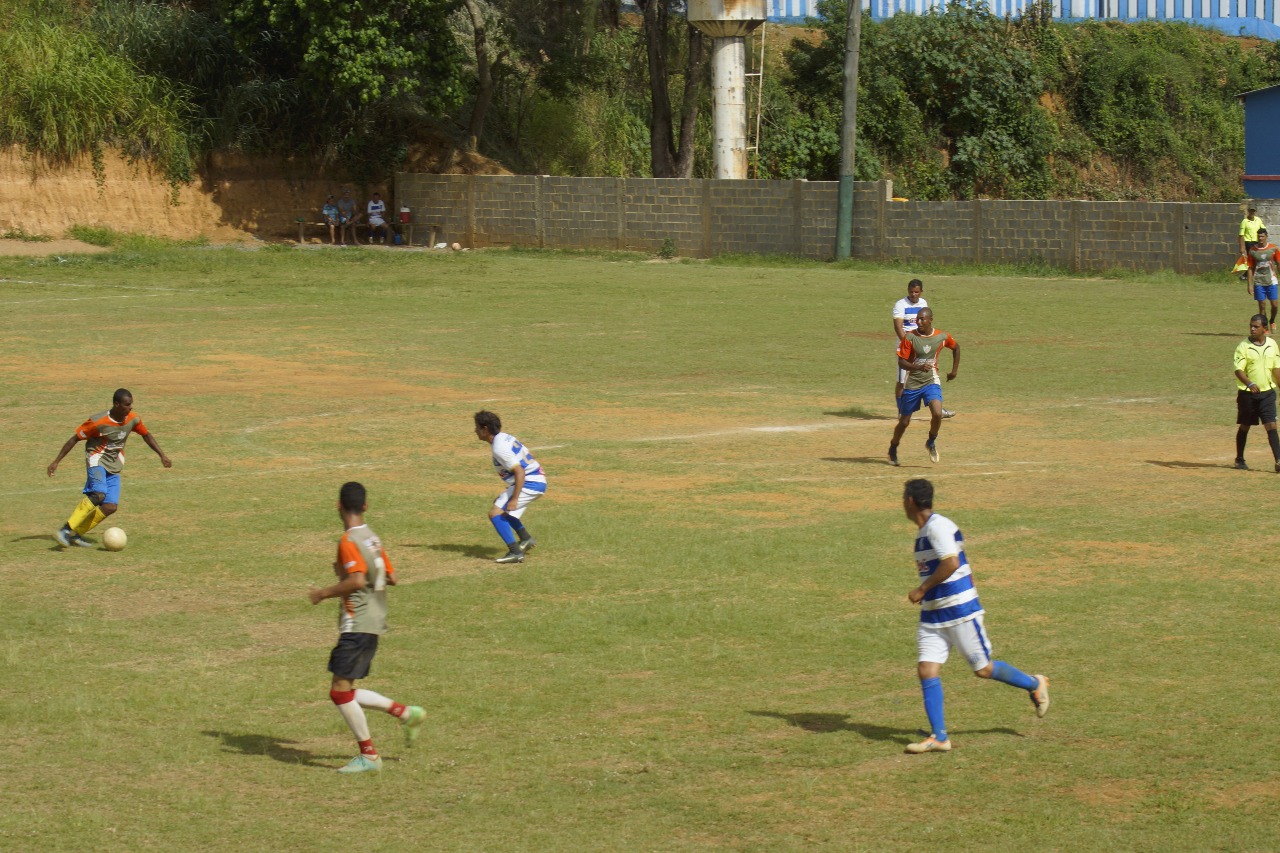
[{"x": 669, "y": 159}]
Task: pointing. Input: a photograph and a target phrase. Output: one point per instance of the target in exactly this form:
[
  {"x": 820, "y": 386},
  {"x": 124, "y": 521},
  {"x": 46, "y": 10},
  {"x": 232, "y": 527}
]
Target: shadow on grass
[
  {"x": 274, "y": 748},
  {"x": 821, "y": 724},
  {"x": 867, "y": 460},
  {"x": 43, "y": 537},
  {"x": 476, "y": 552},
  {"x": 1168, "y": 463},
  {"x": 860, "y": 414}
]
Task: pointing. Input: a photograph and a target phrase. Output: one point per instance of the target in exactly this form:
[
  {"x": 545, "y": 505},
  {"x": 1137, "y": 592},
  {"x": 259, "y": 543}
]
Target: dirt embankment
[{"x": 235, "y": 198}]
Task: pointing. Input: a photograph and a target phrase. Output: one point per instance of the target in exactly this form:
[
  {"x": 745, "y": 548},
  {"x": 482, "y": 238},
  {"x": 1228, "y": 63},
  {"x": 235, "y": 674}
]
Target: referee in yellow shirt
[{"x": 1257, "y": 364}]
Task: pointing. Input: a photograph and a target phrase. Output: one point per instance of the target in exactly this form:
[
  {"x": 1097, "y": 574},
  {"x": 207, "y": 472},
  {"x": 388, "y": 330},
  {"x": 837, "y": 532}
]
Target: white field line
[
  {"x": 74, "y": 284},
  {"x": 746, "y": 430}
]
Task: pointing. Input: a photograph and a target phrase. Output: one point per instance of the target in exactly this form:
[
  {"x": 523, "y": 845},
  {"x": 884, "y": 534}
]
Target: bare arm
[
  {"x": 516, "y": 488},
  {"x": 66, "y": 448},
  {"x": 351, "y": 583},
  {"x": 946, "y": 568},
  {"x": 151, "y": 442},
  {"x": 955, "y": 362},
  {"x": 897, "y": 328}
]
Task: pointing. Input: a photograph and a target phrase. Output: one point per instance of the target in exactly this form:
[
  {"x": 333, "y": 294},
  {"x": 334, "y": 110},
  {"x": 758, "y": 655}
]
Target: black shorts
[
  {"x": 1254, "y": 408},
  {"x": 350, "y": 659}
]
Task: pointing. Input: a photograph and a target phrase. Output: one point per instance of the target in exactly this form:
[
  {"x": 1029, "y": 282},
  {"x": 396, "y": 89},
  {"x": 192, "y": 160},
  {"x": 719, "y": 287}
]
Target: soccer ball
[
  {"x": 456, "y": 247},
  {"x": 113, "y": 539}
]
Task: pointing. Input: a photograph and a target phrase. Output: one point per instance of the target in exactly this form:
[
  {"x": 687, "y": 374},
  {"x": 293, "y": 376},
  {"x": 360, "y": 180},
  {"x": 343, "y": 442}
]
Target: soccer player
[
  {"x": 1262, "y": 282},
  {"x": 1257, "y": 364},
  {"x": 363, "y": 573},
  {"x": 951, "y": 616},
  {"x": 525, "y": 481},
  {"x": 1249, "y": 228},
  {"x": 918, "y": 356},
  {"x": 104, "y": 435},
  {"x": 904, "y": 321}
]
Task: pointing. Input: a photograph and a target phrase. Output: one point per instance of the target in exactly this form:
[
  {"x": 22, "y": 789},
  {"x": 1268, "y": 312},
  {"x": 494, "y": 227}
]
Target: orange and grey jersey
[
  {"x": 364, "y": 611},
  {"x": 920, "y": 349},
  {"x": 104, "y": 439}
]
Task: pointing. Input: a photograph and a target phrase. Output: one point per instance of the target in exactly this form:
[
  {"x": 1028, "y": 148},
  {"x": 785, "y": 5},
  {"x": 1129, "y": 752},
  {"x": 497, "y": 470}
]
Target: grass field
[{"x": 711, "y": 649}]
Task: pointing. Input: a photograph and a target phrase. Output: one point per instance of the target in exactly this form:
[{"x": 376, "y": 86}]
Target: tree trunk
[
  {"x": 689, "y": 114},
  {"x": 662, "y": 152},
  {"x": 484, "y": 75}
]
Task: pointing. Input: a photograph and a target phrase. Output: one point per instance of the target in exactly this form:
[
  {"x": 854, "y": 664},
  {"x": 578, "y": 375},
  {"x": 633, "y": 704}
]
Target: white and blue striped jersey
[
  {"x": 509, "y": 454},
  {"x": 955, "y": 600},
  {"x": 905, "y": 311}
]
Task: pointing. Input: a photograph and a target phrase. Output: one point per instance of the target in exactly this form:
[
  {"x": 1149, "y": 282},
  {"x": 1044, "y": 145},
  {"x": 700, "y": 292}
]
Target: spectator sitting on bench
[
  {"x": 329, "y": 213},
  {"x": 377, "y": 219},
  {"x": 347, "y": 217}
]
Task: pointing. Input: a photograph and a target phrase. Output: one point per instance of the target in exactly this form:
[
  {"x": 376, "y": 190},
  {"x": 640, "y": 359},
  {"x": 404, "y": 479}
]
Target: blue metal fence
[{"x": 1259, "y": 18}]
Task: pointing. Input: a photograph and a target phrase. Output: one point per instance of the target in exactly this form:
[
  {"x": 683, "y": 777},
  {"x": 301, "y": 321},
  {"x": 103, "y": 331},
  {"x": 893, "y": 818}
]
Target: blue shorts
[
  {"x": 911, "y": 400},
  {"x": 1266, "y": 291},
  {"x": 100, "y": 481}
]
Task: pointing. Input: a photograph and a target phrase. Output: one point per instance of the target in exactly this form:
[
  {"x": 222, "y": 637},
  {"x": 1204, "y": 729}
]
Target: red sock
[
  {"x": 396, "y": 710},
  {"x": 366, "y": 748}
]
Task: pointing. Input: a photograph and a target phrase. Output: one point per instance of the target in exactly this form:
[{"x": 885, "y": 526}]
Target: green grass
[{"x": 711, "y": 647}]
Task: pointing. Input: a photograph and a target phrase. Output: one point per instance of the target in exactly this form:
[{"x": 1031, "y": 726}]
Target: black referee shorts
[
  {"x": 1253, "y": 408},
  {"x": 353, "y": 655}
]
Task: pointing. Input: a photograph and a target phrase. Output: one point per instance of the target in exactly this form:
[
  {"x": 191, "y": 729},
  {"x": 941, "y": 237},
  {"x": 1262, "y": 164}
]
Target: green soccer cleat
[
  {"x": 515, "y": 555},
  {"x": 362, "y": 764},
  {"x": 412, "y": 723},
  {"x": 932, "y": 447},
  {"x": 929, "y": 744},
  {"x": 1040, "y": 696},
  {"x": 526, "y": 544}
]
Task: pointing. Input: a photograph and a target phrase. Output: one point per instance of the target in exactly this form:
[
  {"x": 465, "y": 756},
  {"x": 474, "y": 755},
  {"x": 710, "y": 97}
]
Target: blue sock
[
  {"x": 516, "y": 526},
  {"x": 1001, "y": 671},
  {"x": 932, "y": 689},
  {"x": 501, "y": 525}
]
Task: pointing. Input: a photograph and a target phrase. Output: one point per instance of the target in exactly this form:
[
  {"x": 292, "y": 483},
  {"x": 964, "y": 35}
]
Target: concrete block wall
[{"x": 705, "y": 218}]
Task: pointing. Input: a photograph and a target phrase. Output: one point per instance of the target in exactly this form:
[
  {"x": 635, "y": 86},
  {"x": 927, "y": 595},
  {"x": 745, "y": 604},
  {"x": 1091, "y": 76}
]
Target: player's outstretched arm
[
  {"x": 151, "y": 442},
  {"x": 66, "y": 448}
]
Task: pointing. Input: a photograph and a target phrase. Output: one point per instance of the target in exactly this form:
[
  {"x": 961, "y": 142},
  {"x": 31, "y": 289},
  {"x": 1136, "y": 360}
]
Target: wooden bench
[{"x": 406, "y": 228}]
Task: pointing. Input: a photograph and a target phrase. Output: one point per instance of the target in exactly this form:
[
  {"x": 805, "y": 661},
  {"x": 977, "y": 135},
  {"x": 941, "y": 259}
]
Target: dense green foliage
[{"x": 957, "y": 104}]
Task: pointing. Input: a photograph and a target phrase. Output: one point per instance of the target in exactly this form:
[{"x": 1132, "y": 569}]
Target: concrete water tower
[{"x": 728, "y": 23}]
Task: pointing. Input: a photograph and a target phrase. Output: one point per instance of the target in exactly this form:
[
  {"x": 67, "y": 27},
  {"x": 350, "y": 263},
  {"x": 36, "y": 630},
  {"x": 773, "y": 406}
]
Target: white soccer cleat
[
  {"x": 1040, "y": 696},
  {"x": 929, "y": 744}
]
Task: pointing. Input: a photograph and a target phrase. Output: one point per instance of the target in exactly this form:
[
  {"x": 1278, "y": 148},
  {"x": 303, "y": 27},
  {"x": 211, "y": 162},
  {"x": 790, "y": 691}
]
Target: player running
[
  {"x": 1263, "y": 284},
  {"x": 104, "y": 435},
  {"x": 364, "y": 573},
  {"x": 904, "y": 322},
  {"x": 918, "y": 355},
  {"x": 526, "y": 482},
  {"x": 951, "y": 616}
]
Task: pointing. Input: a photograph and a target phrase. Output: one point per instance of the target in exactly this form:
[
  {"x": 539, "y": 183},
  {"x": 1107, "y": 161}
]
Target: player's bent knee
[
  {"x": 985, "y": 672},
  {"x": 96, "y": 498},
  {"x": 108, "y": 509}
]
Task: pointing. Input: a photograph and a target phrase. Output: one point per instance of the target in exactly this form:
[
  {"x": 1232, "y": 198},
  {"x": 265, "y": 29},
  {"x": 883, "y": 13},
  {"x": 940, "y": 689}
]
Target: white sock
[
  {"x": 356, "y": 720},
  {"x": 369, "y": 699}
]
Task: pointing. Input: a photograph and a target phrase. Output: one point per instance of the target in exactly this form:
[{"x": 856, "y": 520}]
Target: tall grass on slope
[{"x": 74, "y": 97}]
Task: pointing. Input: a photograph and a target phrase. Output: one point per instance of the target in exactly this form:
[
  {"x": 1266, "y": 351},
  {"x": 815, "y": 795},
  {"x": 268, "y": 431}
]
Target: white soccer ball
[
  {"x": 113, "y": 539},
  {"x": 456, "y": 247}
]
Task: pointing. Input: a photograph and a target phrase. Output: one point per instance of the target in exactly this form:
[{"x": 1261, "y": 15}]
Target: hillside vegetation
[{"x": 954, "y": 105}]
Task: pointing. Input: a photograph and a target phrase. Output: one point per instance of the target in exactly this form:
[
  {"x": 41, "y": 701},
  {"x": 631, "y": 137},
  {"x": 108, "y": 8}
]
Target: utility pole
[{"x": 848, "y": 131}]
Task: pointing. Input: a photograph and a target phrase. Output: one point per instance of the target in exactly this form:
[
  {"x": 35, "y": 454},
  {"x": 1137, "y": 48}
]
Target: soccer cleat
[
  {"x": 1241, "y": 466},
  {"x": 893, "y": 455},
  {"x": 929, "y": 744},
  {"x": 515, "y": 555},
  {"x": 932, "y": 447},
  {"x": 526, "y": 544},
  {"x": 1040, "y": 696},
  {"x": 411, "y": 723},
  {"x": 362, "y": 764},
  {"x": 63, "y": 536},
  {"x": 80, "y": 541},
  {"x": 947, "y": 413}
]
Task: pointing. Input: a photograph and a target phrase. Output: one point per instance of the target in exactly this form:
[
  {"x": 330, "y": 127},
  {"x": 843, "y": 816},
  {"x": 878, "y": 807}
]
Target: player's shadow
[
  {"x": 865, "y": 460},
  {"x": 476, "y": 552},
  {"x": 39, "y": 537},
  {"x": 272, "y": 747},
  {"x": 860, "y": 414},
  {"x": 821, "y": 724},
  {"x": 1169, "y": 463}
]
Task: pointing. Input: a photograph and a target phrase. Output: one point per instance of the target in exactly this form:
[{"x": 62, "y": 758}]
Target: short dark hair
[
  {"x": 120, "y": 394},
  {"x": 1261, "y": 318},
  {"x": 1263, "y": 231},
  {"x": 352, "y": 496},
  {"x": 920, "y": 492},
  {"x": 489, "y": 421},
  {"x": 923, "y": 312},
  {"x": 914, "y": 283}
]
